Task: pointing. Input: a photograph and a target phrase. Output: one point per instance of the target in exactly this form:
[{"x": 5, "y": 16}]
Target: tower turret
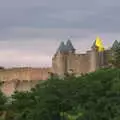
[
  {"x": 97, "y": 55},
  {"x": 59, "y": 60},
  {"x": 70, "y": 56},
  {"x": 115, "y": 44},
  {"x": 62, "y": 48},
  {"x": 93, "y": 57},
  {"x": 94, "y": 47},
  {"x": 63, "y": 59},
  {"x": 70, "y": 47}
]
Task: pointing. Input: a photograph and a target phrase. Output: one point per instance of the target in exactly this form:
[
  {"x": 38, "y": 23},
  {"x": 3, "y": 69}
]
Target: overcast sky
[{"x": 31, "y": 30}]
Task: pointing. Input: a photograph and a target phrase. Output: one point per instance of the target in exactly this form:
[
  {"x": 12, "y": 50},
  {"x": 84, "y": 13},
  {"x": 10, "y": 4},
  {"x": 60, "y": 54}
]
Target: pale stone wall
[
  {"x": 82, "y": 63},
  {"x": 8, "y": 87},
  {"x": 94, "y": 61},
  {"x": 79, "y": 63},
  {"x": 71, "y": 63},
  {"x": 24, "y": 74},
  {"x": 59, "y": 63},
  {"x": 22, "y": 79},
  {"x": 26, "y": 85}
]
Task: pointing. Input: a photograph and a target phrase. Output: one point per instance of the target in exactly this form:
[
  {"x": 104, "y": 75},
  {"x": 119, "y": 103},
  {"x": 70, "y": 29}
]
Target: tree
[
  {"x": 3, "y": 101},
  {"x": 94, "y": 96},
  {"x": 116, "y": 54}
]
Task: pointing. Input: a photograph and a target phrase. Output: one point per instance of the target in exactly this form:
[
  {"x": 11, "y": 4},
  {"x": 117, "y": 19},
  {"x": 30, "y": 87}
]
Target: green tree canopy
[
  {"x": 94, "y": 96},
  {"x": 116, "y": 54}
]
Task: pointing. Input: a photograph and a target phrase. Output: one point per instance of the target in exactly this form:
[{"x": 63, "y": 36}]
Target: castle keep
[{"x": 65, "y": 60}]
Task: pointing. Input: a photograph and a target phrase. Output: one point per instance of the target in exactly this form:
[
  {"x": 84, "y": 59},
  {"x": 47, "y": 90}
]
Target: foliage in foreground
[{"x": 94, "y": 96}]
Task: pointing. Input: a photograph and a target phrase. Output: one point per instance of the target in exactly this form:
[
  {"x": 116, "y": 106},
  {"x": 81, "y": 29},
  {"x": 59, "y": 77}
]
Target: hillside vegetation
[{"x": 94, "y": 96}]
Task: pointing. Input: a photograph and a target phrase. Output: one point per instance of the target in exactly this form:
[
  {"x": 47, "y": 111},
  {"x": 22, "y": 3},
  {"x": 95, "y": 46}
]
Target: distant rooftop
[{"x": 68, "y": 47}]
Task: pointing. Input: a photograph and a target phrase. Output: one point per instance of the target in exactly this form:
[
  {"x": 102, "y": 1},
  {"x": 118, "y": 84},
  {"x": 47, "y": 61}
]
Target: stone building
[{"x": 65, "y": 60}]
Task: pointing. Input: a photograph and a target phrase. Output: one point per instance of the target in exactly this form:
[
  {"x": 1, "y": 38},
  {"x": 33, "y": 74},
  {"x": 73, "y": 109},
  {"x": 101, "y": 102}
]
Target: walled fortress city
[{"x": 65, "y": 60}]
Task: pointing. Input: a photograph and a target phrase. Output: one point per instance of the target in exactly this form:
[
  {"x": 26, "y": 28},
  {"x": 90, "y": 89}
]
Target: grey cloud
[
  {"x": 26, "y": 25},
  {"x": 50, "y": 33},
  {"x": 58, "y": 13},
  {"x": 104, "y": 21}
]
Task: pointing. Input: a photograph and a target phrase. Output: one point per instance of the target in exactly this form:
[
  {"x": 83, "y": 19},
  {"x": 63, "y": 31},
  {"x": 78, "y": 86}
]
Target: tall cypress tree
[{"x": 116, "y": 54}]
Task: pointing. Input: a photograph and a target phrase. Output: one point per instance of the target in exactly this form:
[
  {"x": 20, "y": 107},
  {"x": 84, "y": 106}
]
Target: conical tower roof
[
  {"x": 62, "y": 48},
  {"x": 115, "y": 44},
  {"x": 70, "y": 46},
  {"x": 94, "y": 45},
  {"x": 98, "y": 44}
]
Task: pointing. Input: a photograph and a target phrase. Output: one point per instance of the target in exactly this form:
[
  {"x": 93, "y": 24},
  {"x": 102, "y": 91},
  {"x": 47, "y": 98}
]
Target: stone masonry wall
[
  {"x": 82, "y": 63},
  {"x": 22, "y": 78}
]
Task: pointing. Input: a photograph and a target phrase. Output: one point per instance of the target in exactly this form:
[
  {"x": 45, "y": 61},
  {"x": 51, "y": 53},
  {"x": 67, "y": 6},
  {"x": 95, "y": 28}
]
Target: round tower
[
  {"x": 94, "y": 58},
  {"x": 71, "y": 57},
  {"x": 62, "y": 61},
  {"x": 59, "y": 60}
]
